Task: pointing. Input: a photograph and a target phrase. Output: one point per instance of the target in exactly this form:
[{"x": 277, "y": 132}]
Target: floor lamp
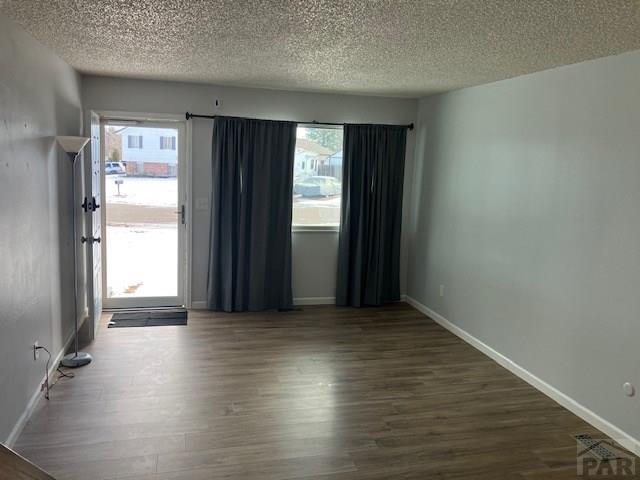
[{"x": 73, "y": 146}]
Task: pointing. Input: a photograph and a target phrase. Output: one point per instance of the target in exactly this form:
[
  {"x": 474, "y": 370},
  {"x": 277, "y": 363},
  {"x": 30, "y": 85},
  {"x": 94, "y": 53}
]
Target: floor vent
[{"x": 597, "y": 447}]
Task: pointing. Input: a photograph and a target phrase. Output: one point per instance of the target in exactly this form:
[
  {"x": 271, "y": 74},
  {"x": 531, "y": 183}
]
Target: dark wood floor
[{"x": 322, "y": 393}]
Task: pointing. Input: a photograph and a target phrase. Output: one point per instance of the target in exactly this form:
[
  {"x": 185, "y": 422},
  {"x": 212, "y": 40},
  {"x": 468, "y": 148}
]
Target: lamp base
[{"x": 72, "y": 360}]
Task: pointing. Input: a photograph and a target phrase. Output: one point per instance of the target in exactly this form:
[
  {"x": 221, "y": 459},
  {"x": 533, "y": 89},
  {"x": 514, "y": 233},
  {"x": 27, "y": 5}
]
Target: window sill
[{"x": 315, "y": 229}]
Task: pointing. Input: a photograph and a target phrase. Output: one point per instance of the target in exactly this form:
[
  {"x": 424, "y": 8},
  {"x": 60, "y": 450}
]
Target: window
[
  {"x": 134, "y": 141},
  {"x": 167, "y": 143},
  {"x": 317, "y": 177}
]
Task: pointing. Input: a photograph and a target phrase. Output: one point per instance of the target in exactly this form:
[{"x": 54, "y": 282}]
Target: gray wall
[
  {"x": 39, "y": 99},
  {"x": 527, "y": 209},
  {"x": 314, "y": 254}
]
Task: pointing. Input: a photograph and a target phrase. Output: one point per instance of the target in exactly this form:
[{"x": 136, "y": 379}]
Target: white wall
[
  {"x": 39, "y": 99},
  {"x": 313, "y": 275},
  {"x": 527, "y": 209}
]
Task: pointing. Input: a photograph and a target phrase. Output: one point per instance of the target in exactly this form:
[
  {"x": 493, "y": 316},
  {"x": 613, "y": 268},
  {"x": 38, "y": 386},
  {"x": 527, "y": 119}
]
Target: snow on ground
[
  {"x": 316, "y": 210},
  {"x": 142, "y": 258},
  {"x": 150, "y": 191},
  {"x": 142, "y": 261}
]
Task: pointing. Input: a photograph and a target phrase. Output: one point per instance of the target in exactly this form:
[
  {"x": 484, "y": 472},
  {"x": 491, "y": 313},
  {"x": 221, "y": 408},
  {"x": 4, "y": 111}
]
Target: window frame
[
  {"x": 140, "y": 140},
  {"x": 319, "y": 228},
  {"x": 172, "y": 143}
]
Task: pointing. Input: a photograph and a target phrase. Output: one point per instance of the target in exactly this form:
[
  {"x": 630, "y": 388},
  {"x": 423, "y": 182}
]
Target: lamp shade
[{"x": 72, "y": 144}]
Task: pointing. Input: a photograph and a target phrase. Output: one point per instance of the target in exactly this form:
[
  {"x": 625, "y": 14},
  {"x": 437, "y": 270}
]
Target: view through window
[
  {"x": 317, "y": 176},
  {"x": 141, "y": 195}
]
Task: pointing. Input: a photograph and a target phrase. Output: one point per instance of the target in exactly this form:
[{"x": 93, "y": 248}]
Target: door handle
[
  {"x": 90, "y": 205},
  {"x": 90, "y": 239},
  {"x": 183, "y": 215}
]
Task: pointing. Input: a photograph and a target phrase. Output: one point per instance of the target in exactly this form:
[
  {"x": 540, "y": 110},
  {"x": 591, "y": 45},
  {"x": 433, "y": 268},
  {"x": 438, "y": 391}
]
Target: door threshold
[{"x": 138, "y": 309}]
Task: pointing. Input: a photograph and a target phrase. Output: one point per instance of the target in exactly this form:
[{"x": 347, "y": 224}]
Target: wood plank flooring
[
  {"x": 15, "y": 467},
  {"x": 324, "y": 393}
]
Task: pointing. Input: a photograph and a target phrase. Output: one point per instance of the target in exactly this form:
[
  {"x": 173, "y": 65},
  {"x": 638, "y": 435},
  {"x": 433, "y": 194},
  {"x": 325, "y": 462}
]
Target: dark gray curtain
[
  {"x": 371, "y": 215},
  {"x": 250, "y": 238}
]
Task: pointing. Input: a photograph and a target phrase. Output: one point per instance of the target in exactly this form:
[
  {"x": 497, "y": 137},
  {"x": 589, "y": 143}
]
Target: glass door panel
[{"x": 144, "y": 214}]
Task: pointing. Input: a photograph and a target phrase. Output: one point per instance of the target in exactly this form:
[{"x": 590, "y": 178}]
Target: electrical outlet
[
  {"x": 36, "y": 351},
  {"x": 442, "y": 290}
]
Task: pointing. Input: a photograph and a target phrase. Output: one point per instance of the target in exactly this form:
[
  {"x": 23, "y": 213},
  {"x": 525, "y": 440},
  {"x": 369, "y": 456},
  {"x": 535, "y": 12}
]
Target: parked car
[
  {"x": 111, "y": 168},
  {"x": 318, "y": 186}
]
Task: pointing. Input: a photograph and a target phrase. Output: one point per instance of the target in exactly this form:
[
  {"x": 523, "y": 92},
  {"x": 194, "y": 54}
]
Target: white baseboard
[
  {"x": 629, "y": 442},
  {"x": 314, "y": 301},
  {"x": 199, "y": 305},
  {"x": 33, "y": 401}
]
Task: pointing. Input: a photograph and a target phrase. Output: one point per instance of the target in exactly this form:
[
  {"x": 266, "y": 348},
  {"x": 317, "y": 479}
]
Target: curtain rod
[{"x": 189, "y": 116}]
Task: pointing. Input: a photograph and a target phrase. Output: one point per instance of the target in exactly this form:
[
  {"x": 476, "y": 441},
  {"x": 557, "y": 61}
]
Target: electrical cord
[
  {"x": 46, "y": 371},
  {"x": 62, "y": 373}
]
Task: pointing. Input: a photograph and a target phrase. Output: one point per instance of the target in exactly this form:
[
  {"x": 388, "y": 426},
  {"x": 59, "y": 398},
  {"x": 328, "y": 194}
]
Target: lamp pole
[{"x": 77, "y": 359}]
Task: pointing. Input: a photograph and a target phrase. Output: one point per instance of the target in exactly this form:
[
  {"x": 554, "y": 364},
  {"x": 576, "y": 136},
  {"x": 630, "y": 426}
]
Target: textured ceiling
[{"x": 385, "y": 47}]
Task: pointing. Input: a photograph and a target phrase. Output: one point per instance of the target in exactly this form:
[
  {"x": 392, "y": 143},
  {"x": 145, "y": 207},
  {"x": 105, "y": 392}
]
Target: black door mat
[{"x": 148, "y": 318}]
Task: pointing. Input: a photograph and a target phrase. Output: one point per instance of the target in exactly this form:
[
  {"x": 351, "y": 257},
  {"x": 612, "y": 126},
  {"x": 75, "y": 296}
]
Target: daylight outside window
[
  {"x": 317, "y": 177},
  {"x": 141, "y": 201}
]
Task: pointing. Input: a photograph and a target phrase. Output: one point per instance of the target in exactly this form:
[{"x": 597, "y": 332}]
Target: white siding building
[{"x": 150, "y": 151}]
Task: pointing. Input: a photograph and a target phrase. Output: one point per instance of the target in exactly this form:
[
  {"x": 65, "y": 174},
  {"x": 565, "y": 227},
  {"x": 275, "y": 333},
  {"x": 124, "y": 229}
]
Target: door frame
[
  {"x": 93, "y": 309},
  {"x": 184, "y": 197}
]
